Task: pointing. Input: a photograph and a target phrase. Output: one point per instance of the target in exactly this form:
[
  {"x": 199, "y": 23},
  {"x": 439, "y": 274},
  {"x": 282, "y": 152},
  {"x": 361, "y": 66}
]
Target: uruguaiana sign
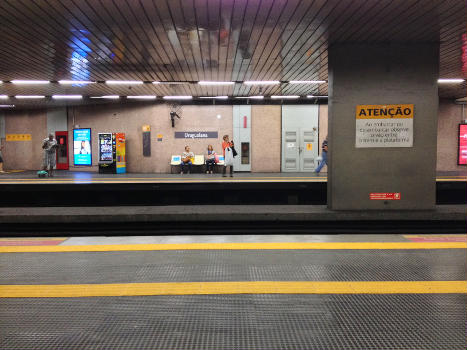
[{"x": 384, "y": 125}]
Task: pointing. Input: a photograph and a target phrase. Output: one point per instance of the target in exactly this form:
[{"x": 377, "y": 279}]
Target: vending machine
[{"x": 112, "y": 158}]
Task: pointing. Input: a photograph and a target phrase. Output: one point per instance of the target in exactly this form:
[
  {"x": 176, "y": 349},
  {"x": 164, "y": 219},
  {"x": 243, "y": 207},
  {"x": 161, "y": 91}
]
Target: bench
[{"x": 199, "y": 164}]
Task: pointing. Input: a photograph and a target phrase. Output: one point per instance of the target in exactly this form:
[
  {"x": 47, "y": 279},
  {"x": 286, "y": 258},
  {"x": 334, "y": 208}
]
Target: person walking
[
  {"x": 1, "y": 158},
  {"x": 49, "y": 145},
  {"x": 228, "y": 155},
  {"x": 324, "y": 155},
  {"x": 210, "y": 159}
]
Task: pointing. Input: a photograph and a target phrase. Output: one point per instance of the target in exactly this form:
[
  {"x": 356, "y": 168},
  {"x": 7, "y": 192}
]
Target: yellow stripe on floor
[
  {"x": 234, "y": 246},
  {"x": 257, "y": 287}
]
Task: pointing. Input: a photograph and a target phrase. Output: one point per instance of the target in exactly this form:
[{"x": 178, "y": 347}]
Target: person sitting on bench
[
  {"x": 187, "y": 160},
  {"x": 210, "y": 160}
]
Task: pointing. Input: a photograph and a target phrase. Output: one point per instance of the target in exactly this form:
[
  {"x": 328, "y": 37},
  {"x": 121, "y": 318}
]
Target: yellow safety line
[
  {"x": 256, "y": 287},
  {"x": 233, "y": 246}
]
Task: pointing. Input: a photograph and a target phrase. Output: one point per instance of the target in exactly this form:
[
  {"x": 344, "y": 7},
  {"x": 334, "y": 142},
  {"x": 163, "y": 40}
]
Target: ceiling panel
[{"x": 222, "y": 40}]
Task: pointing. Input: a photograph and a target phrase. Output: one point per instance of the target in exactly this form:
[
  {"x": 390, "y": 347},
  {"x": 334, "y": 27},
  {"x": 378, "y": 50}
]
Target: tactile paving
[
  {"x": 236, "y": 322},
  {"x": 228, "y": 265}
]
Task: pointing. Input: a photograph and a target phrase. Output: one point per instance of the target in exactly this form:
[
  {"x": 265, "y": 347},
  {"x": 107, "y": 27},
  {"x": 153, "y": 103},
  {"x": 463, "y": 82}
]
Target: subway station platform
[{"x": 245, "y": 292}]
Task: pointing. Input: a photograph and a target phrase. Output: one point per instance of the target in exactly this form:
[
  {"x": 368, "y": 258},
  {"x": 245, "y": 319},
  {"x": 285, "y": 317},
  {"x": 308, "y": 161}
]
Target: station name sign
[
  {"x": 384, "y": 125},
  {"x": 196, "y": 134}
]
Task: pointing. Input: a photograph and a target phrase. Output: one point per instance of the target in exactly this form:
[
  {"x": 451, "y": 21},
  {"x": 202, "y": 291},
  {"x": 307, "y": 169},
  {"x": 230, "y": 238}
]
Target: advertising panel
[
  {"x": 82, "y": 154},
  {"x": 462, "y": 151},
  {"x": 121, "y": 153},
  {"x": 105, "y": 148}
]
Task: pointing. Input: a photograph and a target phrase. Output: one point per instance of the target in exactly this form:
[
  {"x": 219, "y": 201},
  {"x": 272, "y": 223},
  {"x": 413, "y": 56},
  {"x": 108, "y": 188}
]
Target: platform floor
[
  {"x": 66, "y": 177},
  {"x": 234, "y": 292}
]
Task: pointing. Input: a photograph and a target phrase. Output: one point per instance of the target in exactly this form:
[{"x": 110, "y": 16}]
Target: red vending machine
[{"x": 62, "y": 150}]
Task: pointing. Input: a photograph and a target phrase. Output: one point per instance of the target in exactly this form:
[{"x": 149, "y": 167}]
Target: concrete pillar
[{"x": 380, "y": 75}]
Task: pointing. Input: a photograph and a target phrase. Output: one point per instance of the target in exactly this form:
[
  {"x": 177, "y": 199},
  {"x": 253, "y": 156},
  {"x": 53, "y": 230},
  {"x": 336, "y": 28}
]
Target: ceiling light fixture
[
  {"x": 177, "y": 97},
  {"x": 3, "y": 97},
  {"x": 288, "y": 97},
  {"x": 67, "y": 97},
  {"x": 156, "y": 82},
  {"x": 7, "y": 106},
  {"x": 252, "y": 97},
  {"x": 204, "y": 82},
  {"x": 313, "y": 96},
  {"x": 123, "y": 82},
  {"x": 307, "y": 82},
  {"x": 70, "y": 82},
  {"x": 110, "y": 97},
  {"x": 30, "y": 82},
  {"x": 261, "y": 82},
  {"x": 215, "y": 97},
  {"x": 143, "y": 97},
  {"x": 29, "y": 96},
  {"x": 450, "y": 81}
]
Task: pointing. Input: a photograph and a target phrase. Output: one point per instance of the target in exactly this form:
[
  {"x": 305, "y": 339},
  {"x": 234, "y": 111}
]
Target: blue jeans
[
  {"x": 183, "y": 166},
  {"x": 323, "y": 162}
]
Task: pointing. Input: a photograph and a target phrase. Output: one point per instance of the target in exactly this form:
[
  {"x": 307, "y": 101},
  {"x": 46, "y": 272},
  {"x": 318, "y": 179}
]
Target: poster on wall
[
  {"x": 384, "y": 126},
  {"x": 82, "y": 147},
  {"x": 462, "y": 151}
]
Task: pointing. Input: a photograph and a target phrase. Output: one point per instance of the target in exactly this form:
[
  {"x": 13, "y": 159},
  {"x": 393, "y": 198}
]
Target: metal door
[
  {"x": 291, "y": 151},
  {"x": 308, "y": 149}
]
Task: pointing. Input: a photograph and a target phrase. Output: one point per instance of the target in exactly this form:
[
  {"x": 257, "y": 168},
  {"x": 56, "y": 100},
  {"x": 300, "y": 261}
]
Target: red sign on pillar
[
  {"x": 244, "y": 122},
  {"x": 385, "y": 196}
]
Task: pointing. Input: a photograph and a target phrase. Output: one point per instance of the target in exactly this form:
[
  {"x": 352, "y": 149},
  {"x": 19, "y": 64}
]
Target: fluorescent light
[
  {"x": 307, "y": 82},
  {"x": 66, "y": 97},
  {"x": 215, "y": 97},
  {"x": 261, "y": 82},
  {"x": 29, "y": 96},
  {"x": 313, "y": 96},
  {"x": 451, "y": 80},
  {"x": 290, "y": 97},
  {"x": 177, "y": 97},
  {"x": 3, "y": 97},
  {"x": 123, "y": 82},
  {"x": 252, "y": 97},
  {"x": 156, "y": 82},
  {"x": 70, "y": 82},
  {"x": 30, "y": 81},
  {"x": 203, "y": 82},
  {"x": 7, "y": 106},
  {"x": 110, "y": 97},
  {"x": 143, "y": 97}
]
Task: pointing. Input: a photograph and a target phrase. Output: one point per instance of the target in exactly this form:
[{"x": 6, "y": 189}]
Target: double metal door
[{"x": 300, "y": 150}]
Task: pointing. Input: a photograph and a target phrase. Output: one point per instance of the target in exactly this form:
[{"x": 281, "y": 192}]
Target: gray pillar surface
[{"x": 378, "y": 75}]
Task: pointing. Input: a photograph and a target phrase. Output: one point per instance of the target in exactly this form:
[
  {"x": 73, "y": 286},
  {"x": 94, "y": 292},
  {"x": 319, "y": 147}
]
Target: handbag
[
  {"x": 216, "y": 159},
  {"x": 234, "y": 152}
]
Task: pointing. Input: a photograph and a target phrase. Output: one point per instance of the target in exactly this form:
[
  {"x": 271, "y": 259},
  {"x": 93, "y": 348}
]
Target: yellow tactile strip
[
  {"x": 256, "y": 287},
  {"x": 234, "y": 246}
]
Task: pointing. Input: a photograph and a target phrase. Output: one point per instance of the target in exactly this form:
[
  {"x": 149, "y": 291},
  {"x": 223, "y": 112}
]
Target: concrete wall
[
  {"x": 382, "y": 74},
  {"x": 26, "y": 155},
  {"x": 449, "y": 118},
  {"x": 266, "y": 139},
  {"x": 130, "y": 119}
]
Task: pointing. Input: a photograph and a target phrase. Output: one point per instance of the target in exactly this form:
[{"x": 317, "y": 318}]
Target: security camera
[{"x": 172, "y": 118}]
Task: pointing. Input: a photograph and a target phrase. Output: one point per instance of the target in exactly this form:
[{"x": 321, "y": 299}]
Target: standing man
[
  {"x": 324, "y": 155},
  {"x": 49, "y": 145}
]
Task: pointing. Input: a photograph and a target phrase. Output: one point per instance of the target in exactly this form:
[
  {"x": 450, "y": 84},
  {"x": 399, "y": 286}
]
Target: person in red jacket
[{"x": 228, "y": 161}]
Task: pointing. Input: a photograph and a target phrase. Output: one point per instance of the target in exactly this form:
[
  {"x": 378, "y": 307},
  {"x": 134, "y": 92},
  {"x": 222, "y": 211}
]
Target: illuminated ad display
[
  {"x": 462, "y": 159},
  {"x": 82, "y": 147},
  {"x": 105, "y": 148}
]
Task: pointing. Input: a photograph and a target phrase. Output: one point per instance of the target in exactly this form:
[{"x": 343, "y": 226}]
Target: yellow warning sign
[
  {"x": 384, "y": 111},
  {"x": 18, "y": 137},
  {"x": 309, "y": 146},
  {"x": 146, "y": 128},
  {"x": 159, "y": 136}
]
